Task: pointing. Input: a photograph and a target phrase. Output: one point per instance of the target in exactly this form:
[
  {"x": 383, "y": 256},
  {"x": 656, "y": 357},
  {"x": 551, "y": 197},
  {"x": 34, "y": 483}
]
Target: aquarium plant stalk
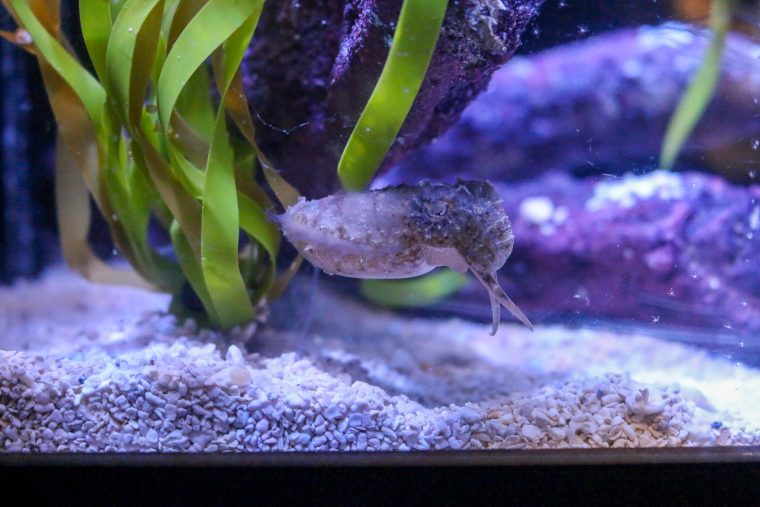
[
  {"x": 146, "y": 139},
  {"x": 694, "y": 102},
  {"x": 417, "y": 30}
]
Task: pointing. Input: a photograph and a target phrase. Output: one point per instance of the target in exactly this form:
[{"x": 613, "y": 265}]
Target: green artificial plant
[
  {"x": 145, "y": 138},
  {"x": 694, "y": 102}
]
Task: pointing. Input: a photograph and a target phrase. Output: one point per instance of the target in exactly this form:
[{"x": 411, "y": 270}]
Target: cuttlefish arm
[
  {"x": 499, "y": 297},
  {"x": 496, "y": 312},
  {"x": 455, "y": 260}
]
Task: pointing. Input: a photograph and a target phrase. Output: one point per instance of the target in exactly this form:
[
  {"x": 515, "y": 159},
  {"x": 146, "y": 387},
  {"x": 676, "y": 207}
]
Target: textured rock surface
[
  {"x": 145, "y": 383},
  {"x": 313, "y": 66},
  {"x": 595, "y": 106},
  {"x": 663, "y": 248}
]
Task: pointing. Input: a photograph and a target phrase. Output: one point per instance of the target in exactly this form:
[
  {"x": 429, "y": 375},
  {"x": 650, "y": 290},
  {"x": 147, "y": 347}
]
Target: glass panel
[{"x": 521, "y": 274}]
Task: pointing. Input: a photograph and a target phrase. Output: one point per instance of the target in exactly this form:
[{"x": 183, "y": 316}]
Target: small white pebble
[
  {"x": 537, "y": 210},
  {"x": 531, "y": 432}
]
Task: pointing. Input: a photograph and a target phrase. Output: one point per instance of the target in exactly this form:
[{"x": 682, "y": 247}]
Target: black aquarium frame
[
  {"x": 517, "y": 457},
  {"x": 661, "y": 476}
]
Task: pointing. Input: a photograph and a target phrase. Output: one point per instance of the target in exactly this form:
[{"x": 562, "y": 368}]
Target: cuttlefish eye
[{"x": 437, "y": 209}]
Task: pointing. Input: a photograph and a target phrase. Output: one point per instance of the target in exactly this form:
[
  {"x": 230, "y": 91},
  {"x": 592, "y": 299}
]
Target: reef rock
[
  {"x": 663, "y": 248},
  {"x": 312, "y": 66},
  {"x": 595, "y": 106}
]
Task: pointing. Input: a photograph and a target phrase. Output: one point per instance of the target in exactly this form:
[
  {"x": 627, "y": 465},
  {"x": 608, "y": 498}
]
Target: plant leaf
[
  {"x": 216, "y": 22},
  {"x": 420, "y": 291},
  {"x": 220, "y": 233},
  {"x": 208, "y": 29},
  {"x": 89, "y": 92},
  {"x": 180, "y": 164},
  {"x": 129, "y": 57},
  {"x": 414, "y": 41},
  {"x": 73, "y": 213},
  {"x": 191, "y": 268},
  {"x": 694, "y": 102},
  {"x": 95, "y": 20}
]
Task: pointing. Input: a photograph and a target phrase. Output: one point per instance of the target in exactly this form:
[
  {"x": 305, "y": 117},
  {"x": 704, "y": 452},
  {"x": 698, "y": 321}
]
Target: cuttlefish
[{"x": 408, "y": 230}]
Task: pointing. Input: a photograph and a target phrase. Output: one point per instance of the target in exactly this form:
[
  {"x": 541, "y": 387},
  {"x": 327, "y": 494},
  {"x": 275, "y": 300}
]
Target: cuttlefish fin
[{"x": 498, "y": 296}]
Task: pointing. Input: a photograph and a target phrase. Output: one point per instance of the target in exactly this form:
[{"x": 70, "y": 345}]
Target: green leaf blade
[
  {"x": 417, "y": 31},
  {"x": 95, "y": 20},
  {"x": 214, "y": 23},
  {"x": 414, "y": 292},
  {"x": 86, "y": 87},
  {"x": 220, "y": 234},
  {"x": 697, "y": 97}
]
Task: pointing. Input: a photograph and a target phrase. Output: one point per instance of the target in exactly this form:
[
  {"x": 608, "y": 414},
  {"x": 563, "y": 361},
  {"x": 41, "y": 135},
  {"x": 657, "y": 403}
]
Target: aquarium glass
[{"x": 511, "y": 227}]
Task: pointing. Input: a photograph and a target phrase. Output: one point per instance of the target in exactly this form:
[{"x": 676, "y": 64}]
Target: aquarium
[{"x": 523, "y": 228}]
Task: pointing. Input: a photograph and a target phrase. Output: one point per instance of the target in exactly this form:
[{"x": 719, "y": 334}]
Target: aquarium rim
[{"x": 433, "y": 459}]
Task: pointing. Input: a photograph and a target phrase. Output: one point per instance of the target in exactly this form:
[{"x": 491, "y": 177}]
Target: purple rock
[
  {"x": 312, "y": 67},
  {"x": 666, "y": 248},
  {"x": 598, "y": 105}
]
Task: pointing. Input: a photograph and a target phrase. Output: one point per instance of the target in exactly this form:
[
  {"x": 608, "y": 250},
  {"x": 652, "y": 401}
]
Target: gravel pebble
[
  {"x": 527, "y": 420},
  {"x": 155, "y": 385}
]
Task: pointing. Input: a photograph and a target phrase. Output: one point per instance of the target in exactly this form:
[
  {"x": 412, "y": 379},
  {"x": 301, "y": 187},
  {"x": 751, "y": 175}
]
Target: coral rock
[{"x": 312, "y": 67}]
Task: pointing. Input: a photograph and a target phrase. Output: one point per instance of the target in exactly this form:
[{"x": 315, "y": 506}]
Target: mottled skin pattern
[
  {"x": 405, "y": 231},
  {"x": 467, "y": 216}
]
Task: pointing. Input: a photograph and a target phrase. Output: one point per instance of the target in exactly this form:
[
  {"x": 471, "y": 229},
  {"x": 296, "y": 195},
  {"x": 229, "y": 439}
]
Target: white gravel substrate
[{"x": 88, "y": 368}]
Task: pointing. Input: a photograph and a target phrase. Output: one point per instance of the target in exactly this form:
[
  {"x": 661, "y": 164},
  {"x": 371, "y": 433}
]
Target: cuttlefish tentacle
[
  {"x": 496, "y": 293},
  {"x": 496, "y": 312}
]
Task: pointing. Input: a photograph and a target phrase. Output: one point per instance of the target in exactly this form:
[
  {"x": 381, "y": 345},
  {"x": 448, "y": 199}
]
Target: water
[{"x": 642, "y": 283}]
